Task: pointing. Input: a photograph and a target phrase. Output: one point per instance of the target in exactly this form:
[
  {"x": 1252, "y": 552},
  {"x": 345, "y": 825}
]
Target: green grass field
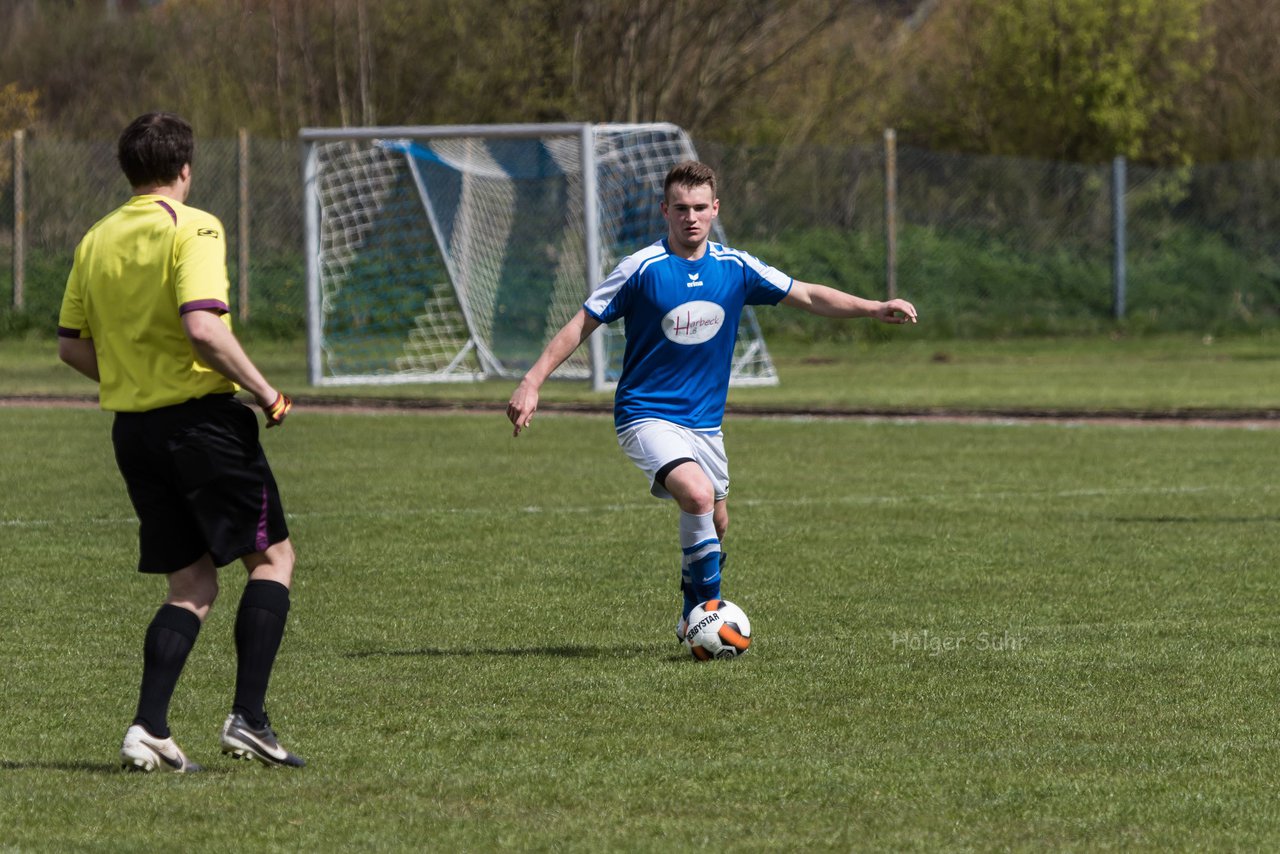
[
  {"x": 968, "y": 637},
  {"x": 903, "y": 373},
  {"x": 1020, "y": 636}
]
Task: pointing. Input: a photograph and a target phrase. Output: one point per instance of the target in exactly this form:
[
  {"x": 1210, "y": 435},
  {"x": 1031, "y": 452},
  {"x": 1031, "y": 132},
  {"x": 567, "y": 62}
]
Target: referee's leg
[
  {"x": 260, "y": 622},
  {"x": 275, "y": 564},
  {"x": 170, "y": 636}
]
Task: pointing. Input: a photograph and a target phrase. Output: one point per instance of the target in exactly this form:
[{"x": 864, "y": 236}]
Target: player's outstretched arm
[
  {"x": 524, "y": 400},
  {"x": 218, "y": 347},
  {"x": 830, "y": 302}
]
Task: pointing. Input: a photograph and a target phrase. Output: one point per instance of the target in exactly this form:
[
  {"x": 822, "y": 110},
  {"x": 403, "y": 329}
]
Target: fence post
[
  {"x": 19, "y": 219},
  {"x": 242, "y": 239},
  {"x": 891, "y": 213},
  {"x": 1118, "y": 225}
]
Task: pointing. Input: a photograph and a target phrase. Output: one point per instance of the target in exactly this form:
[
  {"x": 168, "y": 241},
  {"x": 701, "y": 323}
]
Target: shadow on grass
[
  {"x": 86, "y": 767},
  {"x": 566, "y": 651},
  {"x": 106, "y": 769},
  {"x": 1197, "y": 520}
]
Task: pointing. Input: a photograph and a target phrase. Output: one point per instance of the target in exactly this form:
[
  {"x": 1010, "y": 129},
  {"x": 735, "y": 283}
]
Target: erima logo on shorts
[
  {"x": 207, "y": 232},
  {"x": 693, "y": 322}
]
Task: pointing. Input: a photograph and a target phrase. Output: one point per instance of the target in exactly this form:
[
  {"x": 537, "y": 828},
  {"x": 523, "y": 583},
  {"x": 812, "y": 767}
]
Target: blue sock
[{"x": 700, "y": 566}]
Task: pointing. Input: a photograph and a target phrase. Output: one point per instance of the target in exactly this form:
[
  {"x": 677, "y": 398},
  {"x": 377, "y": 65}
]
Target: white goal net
[{"x": 438, "y": 254}]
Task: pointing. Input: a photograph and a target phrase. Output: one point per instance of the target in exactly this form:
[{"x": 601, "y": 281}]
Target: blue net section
[
  {"x": 508, "y": 214},
  {"x": 457, "y": 257}
]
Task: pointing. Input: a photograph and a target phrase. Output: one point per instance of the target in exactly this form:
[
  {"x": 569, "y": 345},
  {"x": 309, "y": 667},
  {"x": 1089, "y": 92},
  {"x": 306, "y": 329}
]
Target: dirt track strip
[{"x": 1252, "y": 419}]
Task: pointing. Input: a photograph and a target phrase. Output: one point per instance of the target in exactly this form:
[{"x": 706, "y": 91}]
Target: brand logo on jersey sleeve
[
  {"x": 207, "y": 232},
  {"x": 694, "y": 322}
]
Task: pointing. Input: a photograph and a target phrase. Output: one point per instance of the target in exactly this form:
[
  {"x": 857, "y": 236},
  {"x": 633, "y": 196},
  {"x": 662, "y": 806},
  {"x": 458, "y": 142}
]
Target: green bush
[
  {"x": 965, "y": 285},
  {"x": 278, "y": 296},
  {"x": 45, "y": 279},
  {"x": 1188, "y": 279}
]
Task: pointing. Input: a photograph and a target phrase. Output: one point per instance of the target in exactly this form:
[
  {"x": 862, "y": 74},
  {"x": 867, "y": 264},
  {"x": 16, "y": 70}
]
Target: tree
[
  {"x": 686, "y": 61},
  {"x": 17, "y": 109},
  {"x": 830, "y": 91},
  {"x": 1078, "y": 80},
  {"x": 1237, "y": 117}
]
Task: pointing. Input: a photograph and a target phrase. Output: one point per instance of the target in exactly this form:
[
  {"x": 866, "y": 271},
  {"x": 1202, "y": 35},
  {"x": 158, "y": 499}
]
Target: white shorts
[{"x": 652, "y": 444}]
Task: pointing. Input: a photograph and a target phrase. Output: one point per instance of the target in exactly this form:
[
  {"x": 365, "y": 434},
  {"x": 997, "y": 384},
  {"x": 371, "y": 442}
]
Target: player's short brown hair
[
  {"x": 154, "y": 148},
  {"x": 690, "y": 173}
]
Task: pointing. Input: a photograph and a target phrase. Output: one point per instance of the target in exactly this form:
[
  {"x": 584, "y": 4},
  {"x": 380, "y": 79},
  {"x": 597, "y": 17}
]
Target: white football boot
[
  {"x": 245, "y": 742},
  {"x": 142, "y": 751}
]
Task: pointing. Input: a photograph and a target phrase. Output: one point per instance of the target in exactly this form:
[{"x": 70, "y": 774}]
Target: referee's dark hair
[{"x": 154, "y": 148}]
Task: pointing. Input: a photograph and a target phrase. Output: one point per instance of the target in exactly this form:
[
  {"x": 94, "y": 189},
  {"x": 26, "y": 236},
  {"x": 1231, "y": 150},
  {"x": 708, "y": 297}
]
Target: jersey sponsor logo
[
  {"x": 694, "y": 322},
  {"x": 693, "y": 281},
  {"x": 207, "y": 232}
]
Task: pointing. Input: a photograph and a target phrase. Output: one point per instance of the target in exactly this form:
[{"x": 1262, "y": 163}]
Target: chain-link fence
[
  {"x": 984, "y": 245},
  {"x": 69, "y": 185},
  {"x": 998, "y": 245}
]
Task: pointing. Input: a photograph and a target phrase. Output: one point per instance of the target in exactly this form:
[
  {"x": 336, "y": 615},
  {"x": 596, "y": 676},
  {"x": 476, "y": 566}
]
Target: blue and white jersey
[{"x": 681, "y": 321}]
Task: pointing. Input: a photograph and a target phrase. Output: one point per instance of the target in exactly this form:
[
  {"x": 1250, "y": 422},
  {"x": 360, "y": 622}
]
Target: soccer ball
[{"x": 717, "y": 629}]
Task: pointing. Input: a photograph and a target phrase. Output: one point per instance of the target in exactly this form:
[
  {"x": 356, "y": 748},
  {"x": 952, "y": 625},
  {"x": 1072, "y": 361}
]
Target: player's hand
[
  {"x": 520, "y": 409},
  {"x": 896, "y": 311},
  {"x": 277, "y": 409}
]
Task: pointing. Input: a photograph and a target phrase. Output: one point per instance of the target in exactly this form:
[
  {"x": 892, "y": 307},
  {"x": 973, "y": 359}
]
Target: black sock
[
  {"x": 169, "y": 639},
  {"x": 264, "y": 607}
]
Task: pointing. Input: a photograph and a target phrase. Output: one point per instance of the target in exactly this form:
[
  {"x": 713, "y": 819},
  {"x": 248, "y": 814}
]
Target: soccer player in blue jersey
[{"x": 680, "y": 300}]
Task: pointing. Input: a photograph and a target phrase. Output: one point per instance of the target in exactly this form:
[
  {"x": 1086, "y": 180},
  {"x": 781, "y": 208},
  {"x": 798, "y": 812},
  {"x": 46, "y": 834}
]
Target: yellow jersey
[{"x": 136, "y": 272}]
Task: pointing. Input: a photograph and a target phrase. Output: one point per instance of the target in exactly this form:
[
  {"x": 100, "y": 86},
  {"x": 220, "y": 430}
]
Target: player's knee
[
  {"x": 282, "y": 555},
  {"x": 274, "y": 564},
  {"x": 700, "y": 503},
  {"x": 696, "y": 496},
  {"x": 195, "y": 591}
]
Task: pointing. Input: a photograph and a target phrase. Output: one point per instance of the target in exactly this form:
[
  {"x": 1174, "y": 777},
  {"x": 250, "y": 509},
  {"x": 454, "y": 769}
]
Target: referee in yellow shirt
[{"x": 145, "y": 316}]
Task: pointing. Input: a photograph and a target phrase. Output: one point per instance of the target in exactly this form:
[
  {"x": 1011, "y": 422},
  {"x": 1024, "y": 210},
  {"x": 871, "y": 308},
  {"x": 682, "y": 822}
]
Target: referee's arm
[
  {"x": 218, "y": 347},
  {"x": 80, "y": 354}
]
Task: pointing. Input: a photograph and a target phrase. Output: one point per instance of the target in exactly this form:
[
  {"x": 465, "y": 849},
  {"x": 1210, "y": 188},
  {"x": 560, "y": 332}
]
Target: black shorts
[{"x": 199, "y": 482}]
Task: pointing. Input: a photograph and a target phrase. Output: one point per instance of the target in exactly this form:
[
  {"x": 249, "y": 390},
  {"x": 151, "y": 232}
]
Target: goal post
[{"x": 454, "y": 253}]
